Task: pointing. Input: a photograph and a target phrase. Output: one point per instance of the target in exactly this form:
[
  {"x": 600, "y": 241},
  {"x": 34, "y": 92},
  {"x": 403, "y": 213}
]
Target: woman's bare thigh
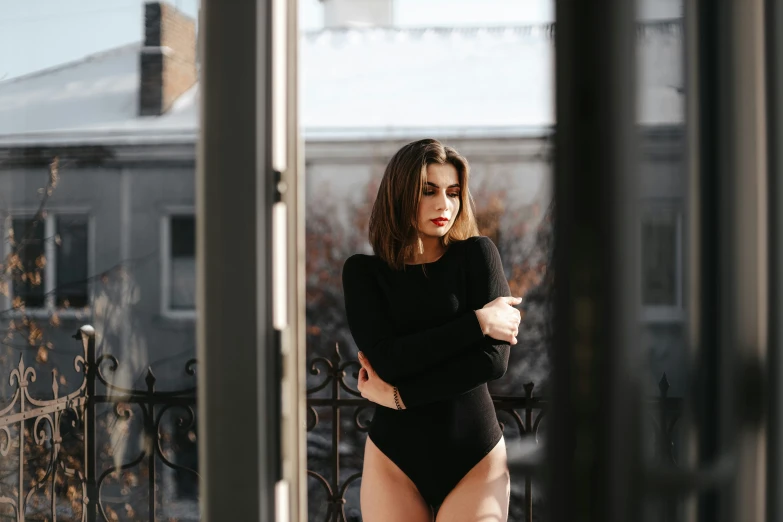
[
  {"x": 387, "y": 494},
  {"x": 482, "y": 495}
]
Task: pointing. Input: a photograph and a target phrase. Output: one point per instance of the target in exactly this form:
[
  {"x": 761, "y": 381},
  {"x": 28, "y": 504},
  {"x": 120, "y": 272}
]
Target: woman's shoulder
[
  {"x": 360, "y": 263},
  {"x": 480, "y": 250},
  {"x": 478, "y": 244},
  {"x": 477, "y": 240}
]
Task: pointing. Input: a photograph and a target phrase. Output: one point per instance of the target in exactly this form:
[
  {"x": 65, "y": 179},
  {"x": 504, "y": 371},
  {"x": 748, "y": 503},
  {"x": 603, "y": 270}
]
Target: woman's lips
[{"x": 440, "y": 222}]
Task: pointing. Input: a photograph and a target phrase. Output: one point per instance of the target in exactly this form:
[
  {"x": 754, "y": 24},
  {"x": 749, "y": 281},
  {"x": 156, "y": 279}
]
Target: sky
[{"x": 36, "y": 34}]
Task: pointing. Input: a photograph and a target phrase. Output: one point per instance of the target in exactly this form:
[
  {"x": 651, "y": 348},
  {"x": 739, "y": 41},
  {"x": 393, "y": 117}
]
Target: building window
[
  {"x": 661, "y": 265},
  {"x": 50, "y": 262},
  {"x": 179, "y": 277}
]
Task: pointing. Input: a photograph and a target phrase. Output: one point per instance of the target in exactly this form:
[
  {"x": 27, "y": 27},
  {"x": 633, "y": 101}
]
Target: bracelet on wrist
[{"x": 396, "y": 397}]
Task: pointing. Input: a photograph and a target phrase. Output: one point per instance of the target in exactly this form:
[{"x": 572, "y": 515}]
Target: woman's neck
[{"x": 433, "y": 249}]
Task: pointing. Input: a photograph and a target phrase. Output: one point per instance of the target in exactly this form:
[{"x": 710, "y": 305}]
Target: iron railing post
[
  {"x": 90, "y": 452},
  {"x": 664, "y": 444},
  {"x": 150, "y": 440},
  {"x": 335, "y": 506}
]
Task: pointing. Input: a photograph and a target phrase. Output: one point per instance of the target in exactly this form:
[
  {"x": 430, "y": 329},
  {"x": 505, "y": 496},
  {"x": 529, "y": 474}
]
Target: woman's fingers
[
  {"x": 365, "y": 364},
  {"x": 362, "y": 380},
  {"x": 363, "y": 361},
  {"x": 513, "y": 335},
  {"x": 501, "y": 320}
]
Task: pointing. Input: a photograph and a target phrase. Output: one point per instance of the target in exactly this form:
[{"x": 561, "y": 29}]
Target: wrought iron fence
[
  {"x": 29, "y": 424},
  {"x": 73, "y": 481},
  {"x": 519, "y": 416}
]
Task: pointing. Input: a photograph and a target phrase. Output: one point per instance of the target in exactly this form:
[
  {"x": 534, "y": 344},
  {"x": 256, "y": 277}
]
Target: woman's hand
[
  {"x": 500, "y": 320},
  {"x": 375, "y": 389}
]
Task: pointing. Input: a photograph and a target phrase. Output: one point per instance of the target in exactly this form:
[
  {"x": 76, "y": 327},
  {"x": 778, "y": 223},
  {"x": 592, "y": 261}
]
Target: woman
[{"x": 433, "y": 320}]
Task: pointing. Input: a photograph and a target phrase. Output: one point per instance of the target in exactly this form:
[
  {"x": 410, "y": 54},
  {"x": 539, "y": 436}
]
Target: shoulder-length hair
[{"x": 394, "y": 217}]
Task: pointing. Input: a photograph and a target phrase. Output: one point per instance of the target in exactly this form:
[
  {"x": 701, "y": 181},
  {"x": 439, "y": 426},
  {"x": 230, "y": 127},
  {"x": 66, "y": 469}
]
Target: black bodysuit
[{"x": 421, "y": 334}]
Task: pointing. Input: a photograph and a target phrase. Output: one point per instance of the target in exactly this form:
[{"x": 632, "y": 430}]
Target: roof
[{"x": 354, "y": 84}]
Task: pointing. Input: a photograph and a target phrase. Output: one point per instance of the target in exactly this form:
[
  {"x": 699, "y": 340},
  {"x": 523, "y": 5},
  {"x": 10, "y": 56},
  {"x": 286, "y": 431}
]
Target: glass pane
[
  {"x": 365, "y": 93},
  {"x": 28, "y": 260},
  {"x": 660, "y": 243},
  {"x": 98, "y": 130},
  {"x": 183, "y": 263},
  {"x": 71, "y": 259}
]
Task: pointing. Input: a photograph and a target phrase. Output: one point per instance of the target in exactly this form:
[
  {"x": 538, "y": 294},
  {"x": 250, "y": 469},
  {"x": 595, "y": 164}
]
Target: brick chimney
[
  {"x": 339, "y": 14},
  {"x": 168, "y": 58}
]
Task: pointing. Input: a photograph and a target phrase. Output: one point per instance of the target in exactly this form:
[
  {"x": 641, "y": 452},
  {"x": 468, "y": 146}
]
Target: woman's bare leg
[
  {"x": 387, "y": 494},
  {"x": 482, "y": 495}
]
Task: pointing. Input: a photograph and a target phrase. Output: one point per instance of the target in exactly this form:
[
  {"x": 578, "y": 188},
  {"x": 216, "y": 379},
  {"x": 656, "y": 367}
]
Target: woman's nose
[{"x": 442, "y": 201}]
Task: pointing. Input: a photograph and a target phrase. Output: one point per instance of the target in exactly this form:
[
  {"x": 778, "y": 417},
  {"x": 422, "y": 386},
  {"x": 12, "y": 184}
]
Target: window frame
[
  {"x": 50, "y": 271},
  {"x": 166, "y": 262}
]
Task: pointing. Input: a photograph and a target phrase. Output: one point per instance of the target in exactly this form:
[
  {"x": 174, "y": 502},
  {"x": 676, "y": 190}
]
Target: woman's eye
[{"x": 430, "y": 193}]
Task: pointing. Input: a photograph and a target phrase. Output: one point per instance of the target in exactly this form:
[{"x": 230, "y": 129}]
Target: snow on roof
[{"x": 354, "y": 84}]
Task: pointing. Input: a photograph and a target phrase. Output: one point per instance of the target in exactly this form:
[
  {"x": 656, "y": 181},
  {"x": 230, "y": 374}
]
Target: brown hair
[{"x": 393, "y": 221}]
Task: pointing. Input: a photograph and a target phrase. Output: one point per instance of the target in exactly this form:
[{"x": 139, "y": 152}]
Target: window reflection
[
  {"x": 661, "y": 264},
  {"x": 183, "y": 263},
  {"x": 71, "y": 262}
]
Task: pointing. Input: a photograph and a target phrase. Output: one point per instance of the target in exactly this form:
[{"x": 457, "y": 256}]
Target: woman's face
[{"x": 440, "y": 202}]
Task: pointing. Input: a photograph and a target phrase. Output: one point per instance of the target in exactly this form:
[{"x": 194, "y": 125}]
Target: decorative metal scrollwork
[
  {"x": 182, "y": 425},
  {"x": 55, "y": 423},
  {"x": 363, "y": 427},
  {"x": 4, "y": 449},
  {"x": 71, "y": 419}
]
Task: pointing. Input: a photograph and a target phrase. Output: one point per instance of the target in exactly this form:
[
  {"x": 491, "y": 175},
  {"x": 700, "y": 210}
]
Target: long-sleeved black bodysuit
[{"x": 421, "y": 334}]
